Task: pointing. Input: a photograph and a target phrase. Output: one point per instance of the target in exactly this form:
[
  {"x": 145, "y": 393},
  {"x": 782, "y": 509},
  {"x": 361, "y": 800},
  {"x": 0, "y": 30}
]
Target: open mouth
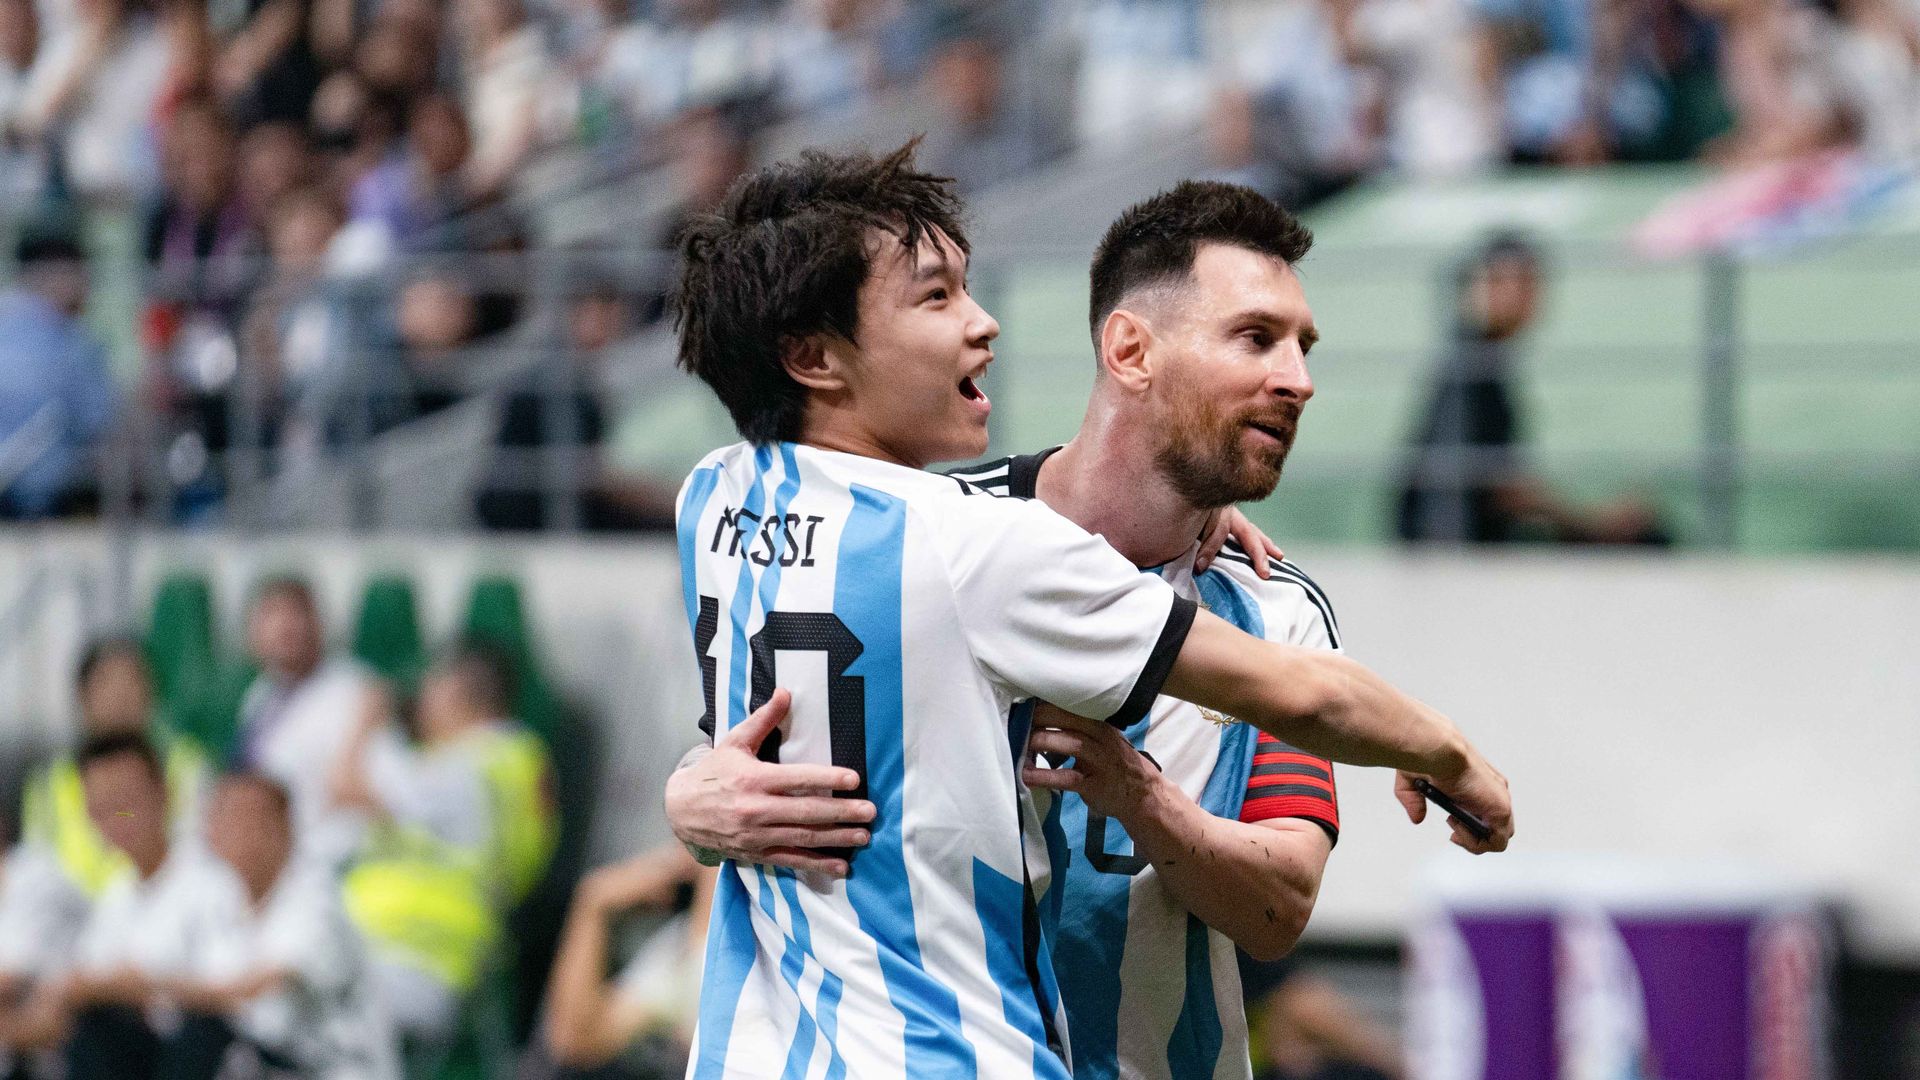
[
  {"x": 1271, "y": 432},
  {"x": 970, "y": 391}
]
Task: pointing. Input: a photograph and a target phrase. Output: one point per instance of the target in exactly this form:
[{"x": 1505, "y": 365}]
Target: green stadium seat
[
  {"x": 497, "y": 616},
  {"x": 387, "y": 635},
  {"x": 189, "y": 677}
]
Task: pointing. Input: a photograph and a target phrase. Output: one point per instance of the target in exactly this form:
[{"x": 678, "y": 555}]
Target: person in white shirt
[
  {"x": 461, "y": 822},
  {"x": 106, "y": 1003},
  {"x": 275, "y": 967},
  {"x": 41, "y": 915},
  {"x": 298, "y": 716}
]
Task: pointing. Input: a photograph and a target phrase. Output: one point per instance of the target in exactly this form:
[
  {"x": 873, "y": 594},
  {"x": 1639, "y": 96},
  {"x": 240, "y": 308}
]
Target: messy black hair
[
  {"x": 116, "y": 744},
  {"x": 783, "y": 259},
  {"x": 1156, "y": 241}
]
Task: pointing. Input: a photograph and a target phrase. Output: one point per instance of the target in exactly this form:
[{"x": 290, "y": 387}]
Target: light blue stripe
[
  {"x": 730, "y": 947},
  {"x": 1000, "y": 903},
  {"x": 1226, "y": 789},
  {"x": 828, "y": 1000},
  {"x": 1194, "y": 1048},
  {"x": 732, "y": 919},
  {"x": 867, "y": 597},
  {"x": 699, "y": 489},
  {"x": 1090, "y": 946}
]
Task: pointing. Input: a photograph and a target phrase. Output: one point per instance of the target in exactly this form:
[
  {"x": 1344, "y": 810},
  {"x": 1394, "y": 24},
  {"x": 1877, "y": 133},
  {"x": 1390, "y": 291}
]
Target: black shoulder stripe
[{"x": 1292, "y": 573}]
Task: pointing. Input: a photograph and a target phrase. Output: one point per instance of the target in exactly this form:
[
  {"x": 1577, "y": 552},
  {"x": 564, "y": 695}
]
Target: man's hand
[
  {"x": 1479, "y": 789},
  {"x": 1114, "y": 778},
  {"x": 755, "y": 811},
  {"x": 1231, "y": 522}
]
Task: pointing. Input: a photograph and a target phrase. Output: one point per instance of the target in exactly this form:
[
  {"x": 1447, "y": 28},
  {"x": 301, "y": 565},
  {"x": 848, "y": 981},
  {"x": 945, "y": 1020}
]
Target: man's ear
[
  {"x": 1126, "y": 349},
  {"x": 812, "y": 364}
]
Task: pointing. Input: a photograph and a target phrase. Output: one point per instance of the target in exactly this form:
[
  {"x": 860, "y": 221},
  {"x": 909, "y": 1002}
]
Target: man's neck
[{"x": 1103, "y": 482}]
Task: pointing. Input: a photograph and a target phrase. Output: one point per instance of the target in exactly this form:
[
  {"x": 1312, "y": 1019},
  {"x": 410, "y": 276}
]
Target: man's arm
[
  {"x": 1329, "y": 705},
  {"x": 585, "y": 1025},
  {"x": 728, "y": 802},
  {"x": 1255, "y": 883}
]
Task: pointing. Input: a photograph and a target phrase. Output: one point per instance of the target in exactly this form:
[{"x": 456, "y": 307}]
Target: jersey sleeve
[{"x": 1053, "y": 613}]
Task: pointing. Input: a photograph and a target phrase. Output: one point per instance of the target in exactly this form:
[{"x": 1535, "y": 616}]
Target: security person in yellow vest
[
  {"x": 463, "y": 829},
  {"x": 115, "y": 689}
]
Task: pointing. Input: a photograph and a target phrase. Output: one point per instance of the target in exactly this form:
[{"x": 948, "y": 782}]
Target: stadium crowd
[{"x": 338, "y": 205}]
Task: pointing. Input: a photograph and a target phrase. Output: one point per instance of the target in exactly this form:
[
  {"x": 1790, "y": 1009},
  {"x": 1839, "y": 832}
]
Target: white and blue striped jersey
[
  {"x": 1152, "y": 992},
  {"x": 908, "y": 613}
]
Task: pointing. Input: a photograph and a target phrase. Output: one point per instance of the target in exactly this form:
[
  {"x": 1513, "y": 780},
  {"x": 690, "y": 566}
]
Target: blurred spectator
[
  {"x": 200, "y": 229},
  {"x": 294, "y": 334},
  {"x": 274, "y": 159},
  {"x": 90, "y": 96},
  {"x": 694, "y": 54},
  {"x": 1142, "y": 70},
  {"x": 1469, "y": 481},
  {"x": 438, "y": 316},
  {"x": 508, "y": 87},
  {"x": 1308, "y": 1030},
  {"x": 267, "y": 71},
  {"x": 424, "y": 182},
  {"x": 57, "y": 401},
  {"x": 133, "y": 938},
  {"x": 1565, "y": 78},
  {"x": 41, "y": 917},
  {"x": 298, "y": 717},
  {"x": 981, "y": 138},
  {"x": 1302, "y": 123},
  {"x": 637, "y": 1025},
  {"x": 513, "y": 498},
  {"x": 275, "y": 968},
  {"x": 823, "y": 56},
  {"x": 22, "y": 165},
  {"x": 114, "y": 686},
  {"x": 464, "y": 827}
]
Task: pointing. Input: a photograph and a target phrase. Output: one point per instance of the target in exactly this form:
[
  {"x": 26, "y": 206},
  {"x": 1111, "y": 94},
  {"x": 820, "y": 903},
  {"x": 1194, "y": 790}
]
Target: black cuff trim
[{"x": 1159, "y": 664}]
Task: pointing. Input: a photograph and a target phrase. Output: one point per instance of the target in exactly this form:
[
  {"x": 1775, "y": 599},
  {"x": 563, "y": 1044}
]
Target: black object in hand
[{"x": 1445, "y": 802}]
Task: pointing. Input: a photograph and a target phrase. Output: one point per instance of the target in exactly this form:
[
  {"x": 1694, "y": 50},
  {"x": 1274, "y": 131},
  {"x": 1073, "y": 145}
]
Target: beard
[{"x": 1206, "y": 459}]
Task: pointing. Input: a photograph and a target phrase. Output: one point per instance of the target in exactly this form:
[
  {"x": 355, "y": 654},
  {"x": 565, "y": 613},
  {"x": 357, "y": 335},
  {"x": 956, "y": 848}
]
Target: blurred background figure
[
  {"x": 298, "y": 716},
  {"x": 114, "y": 689},
  {"x": 1469, "y": 481},
  {"x": 1308, "y": 1030},
  {"x": 982, "y": 136},
  {"x": 57, "y": 401},
  {"x": 278, "y": 974},
  {"x": 637, "y": 1024},
  {"x": 463, "y": 830}
]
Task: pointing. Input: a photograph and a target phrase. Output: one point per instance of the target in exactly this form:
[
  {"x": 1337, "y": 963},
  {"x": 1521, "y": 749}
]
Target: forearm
[
  {"x": 577, "y": 993},
  {"x": 1334, "y": 707},
  {"x": 1255, "y": 885},
  {"x": 677, "y": 817}
]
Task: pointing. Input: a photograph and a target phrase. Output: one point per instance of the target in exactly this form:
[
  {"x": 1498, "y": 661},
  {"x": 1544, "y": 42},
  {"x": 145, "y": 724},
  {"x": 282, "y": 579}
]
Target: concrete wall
[{"x": 1764, "y": 714}]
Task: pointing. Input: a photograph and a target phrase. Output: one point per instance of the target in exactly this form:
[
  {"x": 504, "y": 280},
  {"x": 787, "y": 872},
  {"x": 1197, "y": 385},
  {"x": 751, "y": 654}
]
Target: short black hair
[
  {"x": 102, "y": 649},
  {"x": 1157, "y": 240},
  {"x": 783, "y": 259},
  {"x": 99, "y": 748}
]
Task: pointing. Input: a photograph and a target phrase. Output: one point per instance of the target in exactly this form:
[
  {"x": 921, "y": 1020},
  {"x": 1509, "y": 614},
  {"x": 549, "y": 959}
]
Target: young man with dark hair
[
  {"x": 113, "y": 685},
  {"x": 826, "y": 304}
]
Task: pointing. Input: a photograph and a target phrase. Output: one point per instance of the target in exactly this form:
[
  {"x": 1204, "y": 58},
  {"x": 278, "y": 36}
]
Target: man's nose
[{"x": 1288, "y": 378}]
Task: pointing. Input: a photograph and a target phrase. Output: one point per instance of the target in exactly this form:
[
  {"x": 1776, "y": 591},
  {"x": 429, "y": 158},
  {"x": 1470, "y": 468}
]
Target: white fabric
[
  {"x": 440, "y": 789},
  {"x": 985, "y": 602},
  {"x": 326, "y": 1017},
  {"x": 42, "y": 914},
  {"x": 664, "y": 976},
  {"x": 301, "y": 748},
  {"x": 147, "y": 924}
]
